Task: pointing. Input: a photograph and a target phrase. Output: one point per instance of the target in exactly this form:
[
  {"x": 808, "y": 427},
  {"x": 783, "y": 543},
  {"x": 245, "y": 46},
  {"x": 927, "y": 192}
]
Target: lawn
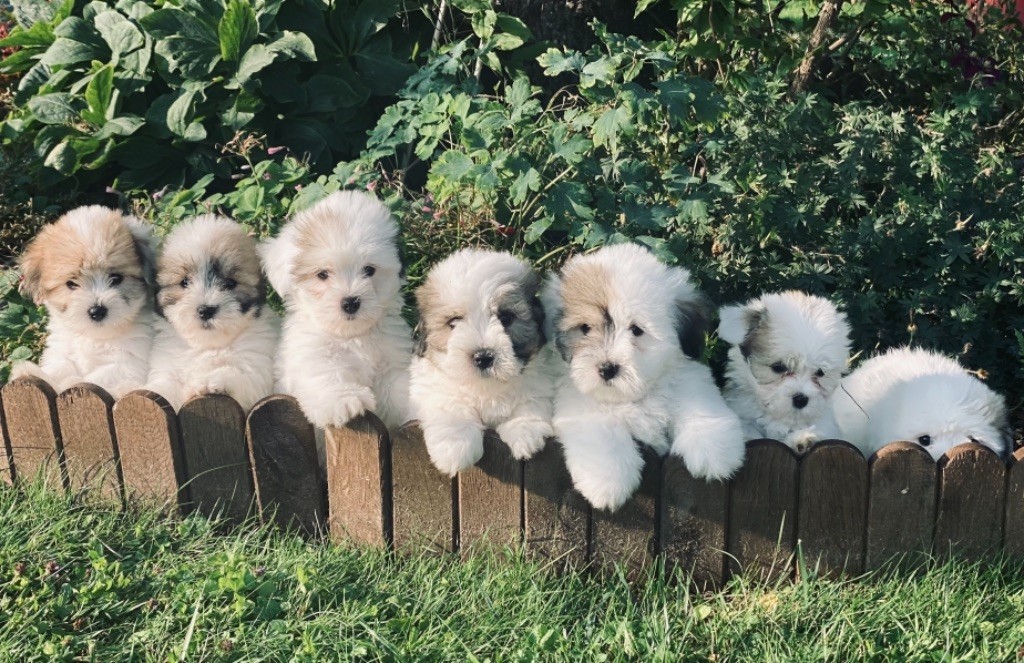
[{"x": 81, "y": 582}]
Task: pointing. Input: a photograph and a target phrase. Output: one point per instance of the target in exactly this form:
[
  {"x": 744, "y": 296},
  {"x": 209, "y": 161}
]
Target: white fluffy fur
[
  {"x": 114, "y": 353},
  {"x": 233, "y": 352},
  {"x": 455, "y": 400},
  {"x": 909, "y": 393},
  {"x": 337, "y": 365},
  {"x": 661, "y": 397},
  {"x": 802, "y": 334}
]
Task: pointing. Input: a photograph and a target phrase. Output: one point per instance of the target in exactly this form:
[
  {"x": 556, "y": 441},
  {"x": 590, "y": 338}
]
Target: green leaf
[
  {"x": 62, "y": 158},
  {"x": 67, "y": 51},
  {"x": 39, "y": 35},
  {"x": 294, "y": 45},
  {"x": 556, "y": 62},
  {"x": 641, "y": 6},
  {"x": 98, "y": 94},
  {"x": 472, "y": 6},
  {"x": 120, "y": 34},
  {"x": 124, "y": 125},
  {"x": 453, "y": 165},
  {"x": 526, "y": 182},
  {"x": 600, "y": 70},
  {"x": 608, "y": 127},
  {"x": 54, "y": 108},
  {"x": 537, "y": 229},
  {"x": 483, "y": 23},
  {"x": 237, "y": 29},
  {"x": 180, "y": 116},
  {"x": 257, "y": 58}
]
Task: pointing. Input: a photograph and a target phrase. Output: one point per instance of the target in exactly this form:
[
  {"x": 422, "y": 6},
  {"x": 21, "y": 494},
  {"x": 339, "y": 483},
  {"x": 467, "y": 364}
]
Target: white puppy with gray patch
[
  {"x": 789, "y": 352},
  {"x": 93, "y": 270},
  {"x": 630, "y": 329},
  {"x": 345, "y": 348},
  {"x": 481, "y": 359},
  {"x": 217, "y": 337},
  {"x": 919, "y": 396}
]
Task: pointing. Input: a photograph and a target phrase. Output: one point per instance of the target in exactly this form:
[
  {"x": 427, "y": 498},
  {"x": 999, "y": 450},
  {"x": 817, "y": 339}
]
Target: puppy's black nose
[
  {"x": 483, "y": 359},
  {"x": 350, "y": 305},
  {"x": 608, "y": 370},
  {"x": 800, "y": 401},
  {"x": 206, "y": 312},
  {"x": 97, "y": 312}
]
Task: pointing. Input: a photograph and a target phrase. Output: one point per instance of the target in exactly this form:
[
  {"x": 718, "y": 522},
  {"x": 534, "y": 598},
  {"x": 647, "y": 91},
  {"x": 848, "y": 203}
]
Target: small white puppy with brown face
[
  {"x": 789, "y": 351},
  {"x": 217, "y": 337},
  {"x": 630, "y": 329},
  {"x": 919, "y": 396},
  {"x": 345, "y": 348},
  {"x": 481, "y": 359},
  {"x": 93, "y": 270}
]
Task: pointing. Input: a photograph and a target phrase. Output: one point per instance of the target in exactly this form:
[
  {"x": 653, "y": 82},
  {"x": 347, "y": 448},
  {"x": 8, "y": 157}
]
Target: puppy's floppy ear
[
  {"x": 145, "y": 247},
  {"x": 733, "y": 323},
  {"x": 693, "y": 321},
  {"x": 277, "y": 255},
  {"x": 31, "y": 264},
  {"x": 419, "y": 339}
]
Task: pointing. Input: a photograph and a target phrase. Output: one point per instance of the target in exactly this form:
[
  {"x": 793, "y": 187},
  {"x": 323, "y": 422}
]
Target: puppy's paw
[
  {"x": 712, "y": 448},
  {"x": 525, "y": 436},
  {"x": 454, "y": 448},
  {"x": 344, "y": 407},
  {"x": 609, "y": 488},
  {"x": 801, "y": 441}
]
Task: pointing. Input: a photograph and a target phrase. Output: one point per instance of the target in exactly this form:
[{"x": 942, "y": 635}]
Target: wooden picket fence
[{"x": 832, "y": 509}]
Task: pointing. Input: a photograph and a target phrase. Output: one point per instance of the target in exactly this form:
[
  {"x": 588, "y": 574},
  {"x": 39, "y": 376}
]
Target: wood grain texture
[
  {"x": 147, "y": 440},
  {"x": 86, "y": 417},
  {"x": 7, "y": 474},
  {"x": 832, "y": 509},
  {"x": 216, "y": 458},
  {"x": 1013, "y": 540},
  {"x": 34, "y": 431},
  {"x": 693, "y": 524},
  {"x": 972, "y": 494},
  {"x": 424, "y": 508},
  {"x": 286, "y": 472},
  {"x": 359, "y": 482},
  {"x": 901, "y": 505},
  {"x": 490, "y": 498},
  {"x": 629, "y": 536},
  {"x": 556, "y": 520},
  {"x": 762, "y": 508}
]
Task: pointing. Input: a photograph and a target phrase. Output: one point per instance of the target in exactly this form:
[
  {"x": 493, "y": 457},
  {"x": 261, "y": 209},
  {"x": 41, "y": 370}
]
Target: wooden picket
[{"x": 830, "y": 511}]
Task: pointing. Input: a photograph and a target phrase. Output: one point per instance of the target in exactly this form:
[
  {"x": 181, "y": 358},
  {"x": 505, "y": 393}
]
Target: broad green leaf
[
  {"x": 257, "y": 58},
  {"x": 472, "y": 6},
  {"x": 295, "y": 45},
  {"x": 526, "y": 182},
  {"x": 694, "y": 209},
  {"x": 537, "y": 229},
  {"x": 39, "y": 35},
  {"x": 125, "y": 125},
  {"x": 67, "y": 51},
  {"x": 180, "y": 116},
  {"x": 556, "y": 62},
  {"x": 62, "y": 158},
  {"x": 641, "y": 6},
  {"x": 237, "y": 29},
  {"x": 600, "y": 70},
  {"x": 120, "y": 34},
  {"x": 98, "y": 94},
  {"x": 453, "y": 165},
  {"x": 54, "y": 108},
  {"x": 608, "y": 127},
  {"x": 483, "y": 23}
]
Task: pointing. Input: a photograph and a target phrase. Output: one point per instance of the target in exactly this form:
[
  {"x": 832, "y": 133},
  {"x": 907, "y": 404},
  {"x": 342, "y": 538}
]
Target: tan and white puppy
[
  {"x": 345, "y": 348},
  {"x": 789, "y": 352},
  {"x": 93, "y": 270},
  {"x": 631, "y": 329},
  {"x": 481, "y": 359},
  {"x": 216, "y": 336}
]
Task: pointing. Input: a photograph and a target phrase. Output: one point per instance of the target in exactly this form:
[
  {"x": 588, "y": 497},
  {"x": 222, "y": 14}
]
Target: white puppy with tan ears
[
  {"x": 345, "y": 348},
  {"x": 919, "y": 396},
  {"x": 93, "y": 270},
  {"x": 481, "y": 359},
  {"x": 789, "y": 352},
  {"x": 631, "y": 329},
  {"x": 217, "y": 337}
]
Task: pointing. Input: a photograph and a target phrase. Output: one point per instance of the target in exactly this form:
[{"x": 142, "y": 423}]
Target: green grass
[{"x": 86, "y": 583}]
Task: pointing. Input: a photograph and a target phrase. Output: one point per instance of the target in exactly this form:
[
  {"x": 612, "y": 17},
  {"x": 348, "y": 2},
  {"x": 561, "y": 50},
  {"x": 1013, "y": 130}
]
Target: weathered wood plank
[
  {"x": 629, "y": 536},
  {"x": 216, "y": 458},
  {"x": 557, "y": 518},
  {"x": 693, "y": 524},
  {"x": 359, "y": 481},
  {"x": 901, "y": 505},
  {"x": 424, "y": 498},
  {"x": 972, "y": 492},
  {"x": 90, "y": 449},
  {"x": 147, "y": 440},
  {"x": 832, "y": 509},
  {"x": 762, "y": 508},
  {"x": 31, "y": 411},
  {"x": 7, "y": 473},
  {"x": 1013, "y": 542},
  {"x": 490, "y": 498},
  {"x": 286, "y": 474}
]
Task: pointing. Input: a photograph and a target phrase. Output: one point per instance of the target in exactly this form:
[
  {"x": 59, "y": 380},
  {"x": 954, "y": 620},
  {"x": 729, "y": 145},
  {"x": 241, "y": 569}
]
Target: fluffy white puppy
[
  {"x": 630, "y": 329},
  {"x": 216, "y": 338},
  {"x": 789, "y": 351},
  {"x": 93, "y": 270},
  {"x": 919, "y": 396},
  {"x": 481, "y": 359},
  {"x": 345, "y": 348}
]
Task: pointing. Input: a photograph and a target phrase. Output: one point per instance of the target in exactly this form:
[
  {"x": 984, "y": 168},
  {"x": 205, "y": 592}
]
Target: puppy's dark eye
[
  {"x": 973, "y": 439},
  {"x": 230, "y": 284},
  {"x": 185, "y": 282},
  {"x": 584, "y": 329},
  {"x": 819, "y": 373},
  {"x": 924, "y": 440},
  {"x": 779, "y": 367},
  {"x": 71, "y": 285},
  {"x": 322, "y": 274},
  {"x": 453, "y": 320},
  {"x": 369, "y": 271},
  {"x": 505, "y": 318},
  {"x": 116, "y": 279},
  {"x": 636, "y": 330}
]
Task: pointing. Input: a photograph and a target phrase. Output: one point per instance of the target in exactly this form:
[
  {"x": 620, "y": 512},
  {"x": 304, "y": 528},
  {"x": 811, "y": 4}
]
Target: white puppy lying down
[
  {"x": 919, "y": 396},
  {"x": 630, "y": 328}
]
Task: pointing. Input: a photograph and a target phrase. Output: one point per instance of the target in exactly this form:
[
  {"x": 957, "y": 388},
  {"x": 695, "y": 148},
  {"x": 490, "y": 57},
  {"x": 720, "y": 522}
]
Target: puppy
[
  {"x": 93, "y": 270},
  {"x": 216, "y": 336},
  {"x": 919, "y": 396},
  {"x": 789, "y": 351},
  {"x": 481, "y": 359},
  {"x": 630, "y": 329},
  {"x": 345, "y": 348}
]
